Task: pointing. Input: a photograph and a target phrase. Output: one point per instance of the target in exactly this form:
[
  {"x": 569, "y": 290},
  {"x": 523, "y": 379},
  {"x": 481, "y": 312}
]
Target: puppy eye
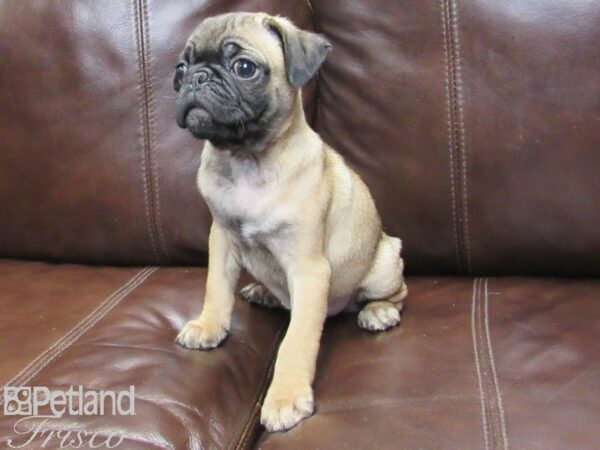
[
  {"x": 244, "y": 68},
  {"x": 180, "y": 70}
]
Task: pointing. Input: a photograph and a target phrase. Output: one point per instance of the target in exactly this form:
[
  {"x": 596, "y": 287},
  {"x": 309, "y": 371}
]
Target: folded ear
[
  {"x": 304, "y": 52},
  {"x": 177, "y": 79}
]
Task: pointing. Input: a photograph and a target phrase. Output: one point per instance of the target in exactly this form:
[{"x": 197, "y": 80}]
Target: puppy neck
[{"x": 296, "y": 124}]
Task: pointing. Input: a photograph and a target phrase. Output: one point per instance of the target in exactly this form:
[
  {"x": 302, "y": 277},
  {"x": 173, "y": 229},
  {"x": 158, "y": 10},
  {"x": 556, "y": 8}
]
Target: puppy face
[{"x": 238, "y": 77}]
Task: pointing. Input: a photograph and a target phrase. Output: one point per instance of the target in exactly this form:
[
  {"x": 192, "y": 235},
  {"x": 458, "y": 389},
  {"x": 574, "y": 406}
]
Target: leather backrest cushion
[
  {"x": 93, "y": 167},
  {"x": 475, "y": 123}
]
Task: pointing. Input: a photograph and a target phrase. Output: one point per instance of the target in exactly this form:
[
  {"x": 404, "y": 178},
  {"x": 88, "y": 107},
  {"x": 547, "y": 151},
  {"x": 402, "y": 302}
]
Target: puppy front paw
[
  {"x": 201, "y": 334},
  {"x": 286, "y": 404}
]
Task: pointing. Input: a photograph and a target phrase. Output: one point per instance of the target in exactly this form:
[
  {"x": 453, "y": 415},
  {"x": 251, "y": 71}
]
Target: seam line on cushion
[
  {"x": 47, "y": 356},
  {"x": 150, "y": 185},
  {"x": 492, "y": 412},
  {"x": 449, "y": 86},
  {"x": 497, "y": 390},
  {"x": 461, "y": 138},
  {"x": 254, "y": 414},
  {"x": 456, "y": 138},
  {"x": 478, "y": 362},
  {"x": 154, "y": 173}
]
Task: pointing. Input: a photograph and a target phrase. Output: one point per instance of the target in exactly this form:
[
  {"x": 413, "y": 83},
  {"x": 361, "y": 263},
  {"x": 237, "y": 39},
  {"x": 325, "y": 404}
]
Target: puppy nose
[{"x": 200, "y": 77}]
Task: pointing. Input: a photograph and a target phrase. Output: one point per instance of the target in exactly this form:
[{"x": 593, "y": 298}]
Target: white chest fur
[{"x": 242, "y": 196}]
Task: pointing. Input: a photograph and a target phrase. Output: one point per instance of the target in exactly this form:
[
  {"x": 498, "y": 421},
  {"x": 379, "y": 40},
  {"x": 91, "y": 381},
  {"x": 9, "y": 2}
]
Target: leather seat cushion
[
  {"x": 503, "y": 362},
  {"x": 109, "y": 328},
  {"x": 516, "y": 365}
]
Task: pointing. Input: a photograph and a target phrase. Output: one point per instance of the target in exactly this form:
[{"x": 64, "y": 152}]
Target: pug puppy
[{"x": 285, "y": 206}]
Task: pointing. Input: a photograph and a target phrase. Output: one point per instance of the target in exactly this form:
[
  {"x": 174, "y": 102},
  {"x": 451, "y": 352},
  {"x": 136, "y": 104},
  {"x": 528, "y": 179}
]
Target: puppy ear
[
  {"x": 177, "y": 81},
  {"x": 184, "y": 61},
  {"x": 304, "y": 52}
]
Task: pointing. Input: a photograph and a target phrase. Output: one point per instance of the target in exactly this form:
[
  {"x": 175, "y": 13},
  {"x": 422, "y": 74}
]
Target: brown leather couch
[{"x": 476, "y": 124}]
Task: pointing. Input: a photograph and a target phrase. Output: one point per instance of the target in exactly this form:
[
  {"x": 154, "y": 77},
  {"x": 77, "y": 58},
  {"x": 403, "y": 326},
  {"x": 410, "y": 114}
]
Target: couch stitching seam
[
  {"x": 485, "y": 373},
  {"x": 458, "y": 159},
  {"x": 461, "y": 137},
  {"x": 497, "y": 392},
  {"x": 146, "y": 164},
  {"x": 21, "y": 373},
  {"x": 56, "y": 349},
  {"x": 449, "y": 82},
  {"x": 492, "y": 410},
  {"x": 253, "y": 415},
  {"x": 478, "y": 365},
  {"x": 95, "y": 317},
  {"x": 491, "y": 407},
  {"x": 154, "y": 174}
]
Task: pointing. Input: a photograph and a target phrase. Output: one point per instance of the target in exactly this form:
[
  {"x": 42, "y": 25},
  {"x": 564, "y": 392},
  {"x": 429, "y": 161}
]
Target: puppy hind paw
[
  {"x": 257, "y": 294},
  {"x": 378, "y": 316}
]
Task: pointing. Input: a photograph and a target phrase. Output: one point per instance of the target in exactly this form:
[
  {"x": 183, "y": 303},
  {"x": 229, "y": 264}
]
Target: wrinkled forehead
[{"x": 247, "y": 30}]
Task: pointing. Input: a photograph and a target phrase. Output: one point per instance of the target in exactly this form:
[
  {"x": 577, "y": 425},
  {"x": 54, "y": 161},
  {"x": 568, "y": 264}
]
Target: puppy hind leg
[
  {"x": 258, "y": 294},
  {"x": 383, "y": 289}
]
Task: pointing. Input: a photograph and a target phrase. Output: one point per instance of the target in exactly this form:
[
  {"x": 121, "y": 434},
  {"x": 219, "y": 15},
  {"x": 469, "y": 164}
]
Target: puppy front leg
[
  {"x": 210, "y": 328},
  {"x": 290, "y": 396}
]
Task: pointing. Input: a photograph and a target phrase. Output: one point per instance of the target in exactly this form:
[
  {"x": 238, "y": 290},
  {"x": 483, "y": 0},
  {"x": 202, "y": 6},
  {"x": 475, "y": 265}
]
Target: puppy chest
[
  {"x": 257, "y": 233},
  {"x": 250, "y": 226},
  {"x": 250, "y": 217}
]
